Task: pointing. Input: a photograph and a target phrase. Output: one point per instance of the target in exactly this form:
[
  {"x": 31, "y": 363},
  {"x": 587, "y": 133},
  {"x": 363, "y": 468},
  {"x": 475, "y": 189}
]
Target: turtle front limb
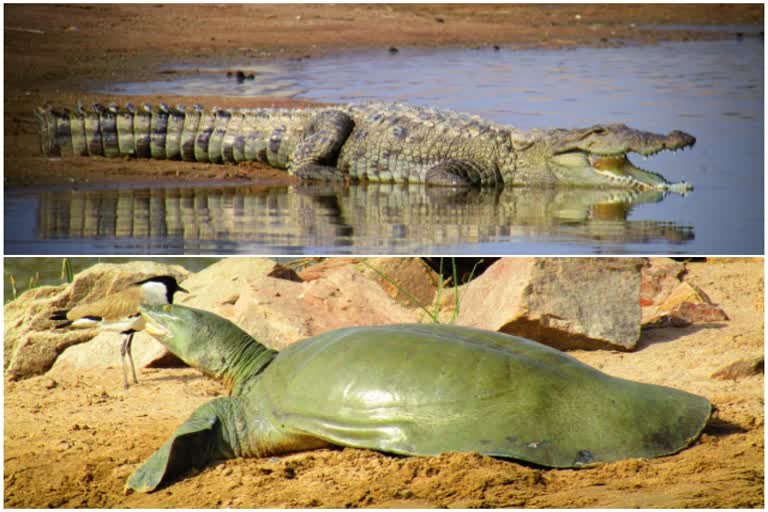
[
  {"x": 200, "y": 440},
  {"x": 220, "y": 429}
]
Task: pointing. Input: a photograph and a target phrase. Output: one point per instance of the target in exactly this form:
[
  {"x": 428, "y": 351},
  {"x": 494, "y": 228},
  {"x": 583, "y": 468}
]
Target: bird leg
[
  {"x": 126, "y": 348},
  {"x": 130, "y": 358}
]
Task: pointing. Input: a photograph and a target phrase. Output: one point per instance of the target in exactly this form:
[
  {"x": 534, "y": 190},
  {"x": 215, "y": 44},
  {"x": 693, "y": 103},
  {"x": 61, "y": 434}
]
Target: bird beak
[{"x": 182, "y": 289}]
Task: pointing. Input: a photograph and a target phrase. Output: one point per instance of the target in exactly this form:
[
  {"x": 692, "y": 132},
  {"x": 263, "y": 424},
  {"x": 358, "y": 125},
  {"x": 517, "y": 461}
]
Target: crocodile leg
[
  {"x": 315, "y": 156},
  {"x": 455, "y": 173}
]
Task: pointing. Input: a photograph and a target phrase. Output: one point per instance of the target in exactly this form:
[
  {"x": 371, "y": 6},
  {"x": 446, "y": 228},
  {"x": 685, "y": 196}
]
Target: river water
[{"x": 713, "y": 90}]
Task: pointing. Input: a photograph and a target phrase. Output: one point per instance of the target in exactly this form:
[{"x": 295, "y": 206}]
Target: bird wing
[{"x": 110, "y": 308}]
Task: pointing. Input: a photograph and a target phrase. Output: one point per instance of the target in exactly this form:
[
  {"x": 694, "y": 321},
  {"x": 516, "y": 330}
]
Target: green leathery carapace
[{"x": 418, "y": 389}]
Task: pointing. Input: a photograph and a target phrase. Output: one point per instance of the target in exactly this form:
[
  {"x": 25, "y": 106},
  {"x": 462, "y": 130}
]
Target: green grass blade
[
  {"x": 67, "y": 275},
  {"x": 405, "y": 292}
]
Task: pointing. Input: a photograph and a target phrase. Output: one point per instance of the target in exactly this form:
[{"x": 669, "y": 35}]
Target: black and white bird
[{"x": 119, "y": 312}]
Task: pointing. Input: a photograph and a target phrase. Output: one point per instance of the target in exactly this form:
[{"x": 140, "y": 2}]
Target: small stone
[
  {"x": 50, "y": 384},
  {"x": 741, "y": 369},
  {"x": 283, "y": 272},
  {"x": 393, "y": 50}
]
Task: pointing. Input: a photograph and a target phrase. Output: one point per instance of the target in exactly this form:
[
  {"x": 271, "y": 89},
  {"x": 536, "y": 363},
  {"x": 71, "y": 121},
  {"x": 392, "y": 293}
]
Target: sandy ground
[
  {"x": 72, "y": 440},
  {"x": 56, "y": 53}
]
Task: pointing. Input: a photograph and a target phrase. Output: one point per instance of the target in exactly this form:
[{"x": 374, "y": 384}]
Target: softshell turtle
[{"x": 419, "y": 389}]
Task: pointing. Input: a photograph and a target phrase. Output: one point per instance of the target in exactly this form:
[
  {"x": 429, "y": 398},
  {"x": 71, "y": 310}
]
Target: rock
[
  {"x": 31, "y": 342},
  {"x": 700, "y": 313},
  {"x": 217, "y": 287},
  {"x": 742, "y": 368},
  {"x": 566, "y": 303},
  {"x": 414, "y": 278},
  {"x": 283, "y": 272},
  {"x": 658, "y": 277},
  {"x": 279, "y": 312},
  {"x": 412, "y": 275},
  {"x": 103, "y": 351},
  {"x": 683, "y": 306},
  {"x": 321, "y": 268}
]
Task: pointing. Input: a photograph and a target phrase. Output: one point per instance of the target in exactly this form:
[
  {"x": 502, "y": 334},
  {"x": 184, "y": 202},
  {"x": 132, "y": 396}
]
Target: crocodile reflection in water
[{"x": 373, "y": 216}]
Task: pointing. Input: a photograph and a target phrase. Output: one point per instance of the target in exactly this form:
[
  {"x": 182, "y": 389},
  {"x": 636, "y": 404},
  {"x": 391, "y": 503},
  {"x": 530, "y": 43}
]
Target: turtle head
[{"x": 206, "y": 341}]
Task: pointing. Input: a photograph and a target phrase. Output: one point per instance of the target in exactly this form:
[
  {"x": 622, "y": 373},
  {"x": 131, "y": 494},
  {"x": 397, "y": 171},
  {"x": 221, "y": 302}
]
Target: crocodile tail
[
  {"x": 59, "y": 131},
  {"x": 163, "y": 132}
]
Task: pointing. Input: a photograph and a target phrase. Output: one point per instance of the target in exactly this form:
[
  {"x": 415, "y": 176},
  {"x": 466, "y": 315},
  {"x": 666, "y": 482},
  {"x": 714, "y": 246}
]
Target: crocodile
[{"x": 387, "y": 143}]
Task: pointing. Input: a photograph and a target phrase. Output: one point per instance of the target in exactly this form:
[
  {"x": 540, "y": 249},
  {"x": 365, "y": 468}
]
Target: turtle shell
[{"x": 426, "y": 389}]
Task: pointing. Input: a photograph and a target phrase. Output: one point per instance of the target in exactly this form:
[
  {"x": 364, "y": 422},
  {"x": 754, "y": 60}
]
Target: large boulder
[
  {"x": 218, "y": 286},
  {"x": 32, "y": 344},
  {"x": 567, "y": 303}
]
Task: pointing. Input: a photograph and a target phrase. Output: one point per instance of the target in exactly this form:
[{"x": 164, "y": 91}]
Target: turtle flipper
[{"x": 196, "y": 442}]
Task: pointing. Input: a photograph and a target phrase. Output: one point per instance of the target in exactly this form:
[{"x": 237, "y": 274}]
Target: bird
[{"x": 120, "y": 312}]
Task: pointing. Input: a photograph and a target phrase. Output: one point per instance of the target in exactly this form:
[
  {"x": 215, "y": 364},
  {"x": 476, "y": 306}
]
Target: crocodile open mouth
[{"x": 618, "y": 170}]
